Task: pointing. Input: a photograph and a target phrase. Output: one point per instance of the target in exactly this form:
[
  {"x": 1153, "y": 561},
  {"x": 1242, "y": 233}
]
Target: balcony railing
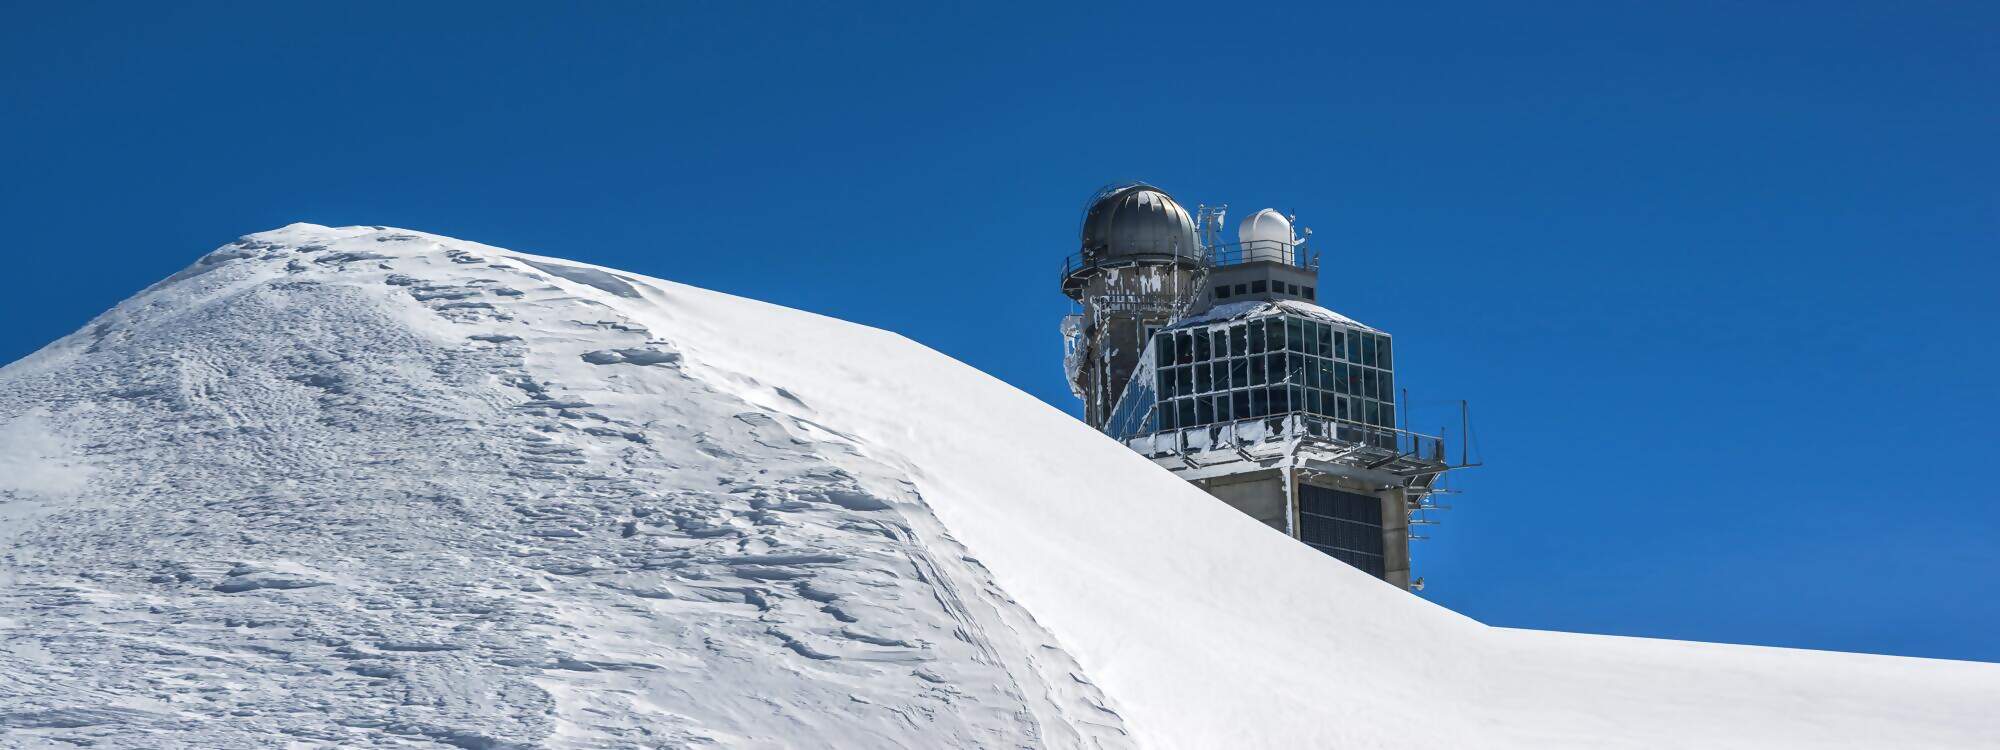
[
  {"x": 1243, "y": 433},
  {"x": 1238, "y": 253},
  {"x": 1216, "y": 256}
]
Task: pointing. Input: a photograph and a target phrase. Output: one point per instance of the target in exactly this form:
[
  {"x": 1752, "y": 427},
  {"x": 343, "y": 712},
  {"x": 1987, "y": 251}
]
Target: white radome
[{"x": 1265, "y": 235}]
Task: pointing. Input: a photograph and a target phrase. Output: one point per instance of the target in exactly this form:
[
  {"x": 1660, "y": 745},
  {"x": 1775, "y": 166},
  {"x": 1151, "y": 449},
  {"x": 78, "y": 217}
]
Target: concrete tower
[
  {"x": 1250, "y": 389},
  {"x": 1137, "y": 270}
]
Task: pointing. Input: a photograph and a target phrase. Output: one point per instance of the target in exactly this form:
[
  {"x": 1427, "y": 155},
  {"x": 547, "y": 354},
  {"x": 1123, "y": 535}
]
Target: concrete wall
[
  {"x": 1265, "y": 271},
  {"x": 1396, "y": 536},
  {"x": 1260, "y": 495}
]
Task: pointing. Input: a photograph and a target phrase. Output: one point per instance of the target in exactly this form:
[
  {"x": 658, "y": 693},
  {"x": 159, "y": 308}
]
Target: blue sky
[{"x": 1717, "y": 278}]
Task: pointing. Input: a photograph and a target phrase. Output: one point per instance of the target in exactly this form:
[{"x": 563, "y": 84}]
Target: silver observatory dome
[{"x": 1137, "y": 219}]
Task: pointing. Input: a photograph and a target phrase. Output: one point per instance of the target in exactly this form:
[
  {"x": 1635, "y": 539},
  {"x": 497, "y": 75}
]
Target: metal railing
[
  {"x": 1214, "y": 256},
  {"x": 1280, "y": 427},
  {"x": 1080, "y": 260},
  {"x": 1237, "y": 253}
]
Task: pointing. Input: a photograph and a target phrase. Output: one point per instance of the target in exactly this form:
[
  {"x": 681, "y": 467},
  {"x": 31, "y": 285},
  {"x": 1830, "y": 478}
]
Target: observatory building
[{"x": 1218, "y": 361}]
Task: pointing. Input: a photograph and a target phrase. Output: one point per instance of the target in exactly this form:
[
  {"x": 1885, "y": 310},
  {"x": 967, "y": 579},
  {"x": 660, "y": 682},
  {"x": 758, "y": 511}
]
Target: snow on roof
[{"x": 1246, "y": 309}]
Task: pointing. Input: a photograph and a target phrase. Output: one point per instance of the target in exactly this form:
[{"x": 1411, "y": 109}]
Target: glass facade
[
  {"x": 1345, "y": 525},
  {"x": 1267, "y": 366}
]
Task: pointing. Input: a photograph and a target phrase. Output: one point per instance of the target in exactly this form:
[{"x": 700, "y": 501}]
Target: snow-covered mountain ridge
[{"x": 374, "y": 487}]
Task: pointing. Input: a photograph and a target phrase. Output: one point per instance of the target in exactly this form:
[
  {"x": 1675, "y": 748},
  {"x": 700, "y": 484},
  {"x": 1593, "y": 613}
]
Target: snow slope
[{"x": 374, "y": 487}]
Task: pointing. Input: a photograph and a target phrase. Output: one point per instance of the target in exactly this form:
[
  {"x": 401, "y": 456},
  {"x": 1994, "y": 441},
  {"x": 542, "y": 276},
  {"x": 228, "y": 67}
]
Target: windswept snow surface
[{"x": 374, "y": 487}]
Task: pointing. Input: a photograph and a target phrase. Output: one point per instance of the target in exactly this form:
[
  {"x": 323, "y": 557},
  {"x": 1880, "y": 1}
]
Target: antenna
[{"x": 1465, "y": 433}]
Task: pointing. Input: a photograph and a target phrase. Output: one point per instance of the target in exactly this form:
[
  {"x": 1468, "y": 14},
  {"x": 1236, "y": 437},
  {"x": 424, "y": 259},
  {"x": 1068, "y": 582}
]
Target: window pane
[
  {"x": 1260, "y": 404},
  {"x": 1374, "y": 412},
  {"x": 1314, "y": 402},
  {"x": 1256, "y": 336},
  {"x": 1204, "y": 411},
  {"x": 1222, "y": 408},
  {"x": 1382, "y": 353},
  {"x": 1368, "y": 350},
  {"x": 1239, "y": 404},
  {"x": 1274, "y": 367},
  {"x": 1183, "y": 347},
  {"x": 1388, "y": 386},
  {"x": 1312, "y": 372},
  {"x": 1296, "y": 398},
  {"x": 1340, "y": 407},
  {"x": 1256, "y": 371},
  {"x": 1202, "y": 383},
  {"x": 1219, "y": 343},
  {"x": 1163, "y": 383},
  {"x": 1295, "y": 335},
  {"x": 1388, "y": 415},
  {"x": 1169, "y": 418},
  {"x": 1340, "y": 343},
  {"x": 1274, "y": 338},
  {"x": 1201, "y": 352},
  {"x": 1239, "y": 372},
  {"x": 1187, "y": 409},
  {"x": 1277, "y": 396},
  {"x": 1163, "y": 350},
  {"x": 1341, "y": 373},
  {"x": 1236, "y": 341}
]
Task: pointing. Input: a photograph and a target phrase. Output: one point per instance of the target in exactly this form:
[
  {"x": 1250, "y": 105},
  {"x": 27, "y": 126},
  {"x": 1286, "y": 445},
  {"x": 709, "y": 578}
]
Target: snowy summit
[{"x": 371, "y": 487}]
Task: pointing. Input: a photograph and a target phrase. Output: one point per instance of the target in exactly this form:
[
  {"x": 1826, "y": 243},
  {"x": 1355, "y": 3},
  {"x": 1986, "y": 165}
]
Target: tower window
[
  {"x": 1308, "y": 292},
  {"x": 1222, "y": 292},
  {"x": 1292, "y": 289},
  {"x": 1346, "y": 525},
  {"x": 1257, "y": 287},
  {"x": 1242, "y": 289}
]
